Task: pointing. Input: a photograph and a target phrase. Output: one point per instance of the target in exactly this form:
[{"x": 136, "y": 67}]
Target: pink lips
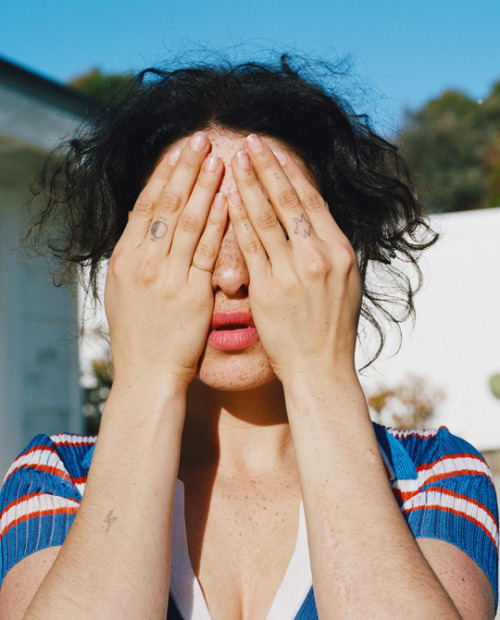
[{"x": 232, "y": 331}]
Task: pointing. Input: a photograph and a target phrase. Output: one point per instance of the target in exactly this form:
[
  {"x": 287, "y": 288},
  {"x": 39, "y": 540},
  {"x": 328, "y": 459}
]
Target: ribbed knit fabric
[{"x": 441, "y": 483}]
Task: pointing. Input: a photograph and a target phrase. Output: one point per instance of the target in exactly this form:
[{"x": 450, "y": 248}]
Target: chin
[{"x": 235, "y": 371}]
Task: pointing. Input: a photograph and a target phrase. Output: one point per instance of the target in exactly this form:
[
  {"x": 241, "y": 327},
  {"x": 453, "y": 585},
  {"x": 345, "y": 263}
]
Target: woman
[{"x": 236, "y": 463}]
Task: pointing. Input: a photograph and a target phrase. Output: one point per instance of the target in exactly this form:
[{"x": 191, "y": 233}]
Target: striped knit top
[{"x": 441, "y": 483}]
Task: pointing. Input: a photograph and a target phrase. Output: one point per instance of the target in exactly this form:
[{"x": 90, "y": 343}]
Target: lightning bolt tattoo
[{"x": 109, "y": 520}]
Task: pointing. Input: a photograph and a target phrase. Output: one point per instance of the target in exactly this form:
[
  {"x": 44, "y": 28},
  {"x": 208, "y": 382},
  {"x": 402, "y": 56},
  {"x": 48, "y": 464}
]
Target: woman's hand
[
  {"x": 159, "y": 296},
  {"x": 305, "y": 287}
]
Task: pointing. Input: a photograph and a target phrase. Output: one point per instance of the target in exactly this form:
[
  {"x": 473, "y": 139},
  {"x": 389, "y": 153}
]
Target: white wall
[
  {"x": 456, "y": 340},
  {"x": 39, "y": 373}
]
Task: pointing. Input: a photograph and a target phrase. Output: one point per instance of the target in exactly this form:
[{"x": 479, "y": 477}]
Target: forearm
[
  {"x": 116, "y": 559},
  {"x": 364, "y": 559}
]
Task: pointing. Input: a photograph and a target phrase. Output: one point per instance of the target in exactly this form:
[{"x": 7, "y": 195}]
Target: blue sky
[{"x": 403, "y": 53}]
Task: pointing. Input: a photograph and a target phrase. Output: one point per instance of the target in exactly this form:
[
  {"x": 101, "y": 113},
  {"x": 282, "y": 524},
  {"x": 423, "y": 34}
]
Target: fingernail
[
  {"x": 219, "y": 200},
  {"x": 234, "y": 197},
  {"x": 243, "y": 160},
  {"x": 281, "y": 156},
  {"x": 255, "y": 144},
  {"x": 211, "y": 162},
  {"x": 173, "y": 156},
  {"x": 198, "y": 141}
]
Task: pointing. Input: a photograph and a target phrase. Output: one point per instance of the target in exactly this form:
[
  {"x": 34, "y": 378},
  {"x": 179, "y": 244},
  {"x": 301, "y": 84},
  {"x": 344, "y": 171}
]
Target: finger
[
  {"x": 139, "y": 221},
  {"x": 193, "y": 217},
  {"x": 316, "y": 208},
  {"x": 207, "y": 249},
  {"x": 248, "y": 240},
  {"x": 261, "y": 213},
  {"x": 176, "y": 193},
  {"x": 280, "y": 190}
]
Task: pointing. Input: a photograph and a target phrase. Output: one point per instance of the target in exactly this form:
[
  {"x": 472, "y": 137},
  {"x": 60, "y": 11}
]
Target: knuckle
[
  {"x": 189, "y": 223},
  {"x": 206, "y": 181},
  {"x": 317, "y": 265},
  {"x": 266, "y": 161},
  {"x": 144, "y": 205},
  {"x": 188, "y": 165},
  {"x": 145, "y": 270},
  {"x": 214, "y": 221},
  {"x": 267, "y": 219},
  {"x": 169, "y": 202},
  {"x": 315, "y": 202},
  {"x": 118, "y": 263},
  {"x": 205, "y": 252},
  {"x": 246, "y": 179},
  {"x": 252, "y": 245},
  {"x": 239, "y": 215},
  {"x": 289, "y": 199},
  {"x": 347, "y": 257}
]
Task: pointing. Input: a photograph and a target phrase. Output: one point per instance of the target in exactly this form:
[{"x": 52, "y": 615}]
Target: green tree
[
  {"x": 104, "y": 87},
  {"x": 452, "y": 146}
]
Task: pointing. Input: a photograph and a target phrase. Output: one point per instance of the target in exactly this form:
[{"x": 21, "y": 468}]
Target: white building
[
  {"x": 455, "y": 345},
  {"x": 39, "y": 373}
]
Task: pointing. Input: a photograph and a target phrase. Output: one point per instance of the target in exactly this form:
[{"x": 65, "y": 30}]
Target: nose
[{"x": 230, "y": 273}]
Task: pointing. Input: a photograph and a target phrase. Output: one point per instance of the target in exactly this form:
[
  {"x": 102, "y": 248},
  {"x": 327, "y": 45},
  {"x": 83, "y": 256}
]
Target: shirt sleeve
[
  {"x": 451, "y": 496},
  {"x": 40, "y": 496}
]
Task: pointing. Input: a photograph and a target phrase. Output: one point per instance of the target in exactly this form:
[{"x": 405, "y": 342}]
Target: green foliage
[
  {"x": 96, "y": 395},
  {"x": 104, "y": 88},
  {"x": 453, "y": 146},
  {"x": 495, "y": 385}
]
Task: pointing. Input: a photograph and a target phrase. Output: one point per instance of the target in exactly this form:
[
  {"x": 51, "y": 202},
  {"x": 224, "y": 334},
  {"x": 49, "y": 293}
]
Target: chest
[{"x": 247, "y": 548}]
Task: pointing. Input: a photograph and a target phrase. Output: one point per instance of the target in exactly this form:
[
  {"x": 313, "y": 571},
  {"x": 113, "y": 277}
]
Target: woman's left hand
[{"x": 305, "y": 287}]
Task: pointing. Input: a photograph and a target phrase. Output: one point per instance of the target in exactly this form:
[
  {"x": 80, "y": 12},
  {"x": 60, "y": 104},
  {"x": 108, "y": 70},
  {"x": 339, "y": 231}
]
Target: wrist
[
  {"x": 140, "y": 398},
  {"x": 335, "y": 394},
  {"x": 333, "y": 374}
]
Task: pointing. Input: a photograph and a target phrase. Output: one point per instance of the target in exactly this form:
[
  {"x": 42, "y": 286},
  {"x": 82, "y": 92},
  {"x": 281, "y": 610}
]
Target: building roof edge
[{"x": 46, "y": 89}]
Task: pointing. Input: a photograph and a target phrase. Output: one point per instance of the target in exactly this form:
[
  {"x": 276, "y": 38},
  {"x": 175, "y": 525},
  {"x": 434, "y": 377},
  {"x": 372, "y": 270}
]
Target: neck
[{"x": 245, "y": 431}]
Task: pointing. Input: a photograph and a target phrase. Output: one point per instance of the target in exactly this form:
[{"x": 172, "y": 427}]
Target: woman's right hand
[{"x": 158, "y": 304}]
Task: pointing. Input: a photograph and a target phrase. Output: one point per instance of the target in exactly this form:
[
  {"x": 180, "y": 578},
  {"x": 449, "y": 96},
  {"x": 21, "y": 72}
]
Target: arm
[
  {"x": 115, "y": 560},
  {"x": 305, "y": 292}
]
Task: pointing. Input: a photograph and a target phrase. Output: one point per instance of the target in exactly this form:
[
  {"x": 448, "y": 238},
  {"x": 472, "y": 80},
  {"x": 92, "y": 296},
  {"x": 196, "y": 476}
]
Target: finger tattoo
[
  {"x": 302, "y": 226},
  {"x": 159, "y": 229}
]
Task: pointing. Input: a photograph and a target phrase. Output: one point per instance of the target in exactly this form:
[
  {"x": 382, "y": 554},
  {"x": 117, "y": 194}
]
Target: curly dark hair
[{"x": 92, "y": 187}]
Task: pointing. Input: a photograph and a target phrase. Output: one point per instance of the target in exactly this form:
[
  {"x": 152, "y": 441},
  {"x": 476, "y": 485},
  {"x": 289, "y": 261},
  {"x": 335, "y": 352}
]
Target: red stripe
[
  {"x": 466, "y": 498},
  {"x": 17, "y": 501},
  {"x": 405, "y": 495},
  {"x": 457, "y": 513},
  {"x": 38, "y": 515},
  {"x": 62, "y": 473}
]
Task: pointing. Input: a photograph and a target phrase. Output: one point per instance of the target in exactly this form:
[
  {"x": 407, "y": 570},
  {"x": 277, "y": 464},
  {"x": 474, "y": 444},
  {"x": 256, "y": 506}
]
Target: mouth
[
  {"x": 232, "y": 320},
  {"x": 231, "y": 331}
]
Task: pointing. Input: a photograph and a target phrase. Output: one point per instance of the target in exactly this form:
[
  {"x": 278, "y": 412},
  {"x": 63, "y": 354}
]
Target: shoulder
[
  {"x": 428, "y": 455},
  {"x": 445, "y": 490},
  {"x": 48, "y": 461},
  {"x": 41, "y": 494}
]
